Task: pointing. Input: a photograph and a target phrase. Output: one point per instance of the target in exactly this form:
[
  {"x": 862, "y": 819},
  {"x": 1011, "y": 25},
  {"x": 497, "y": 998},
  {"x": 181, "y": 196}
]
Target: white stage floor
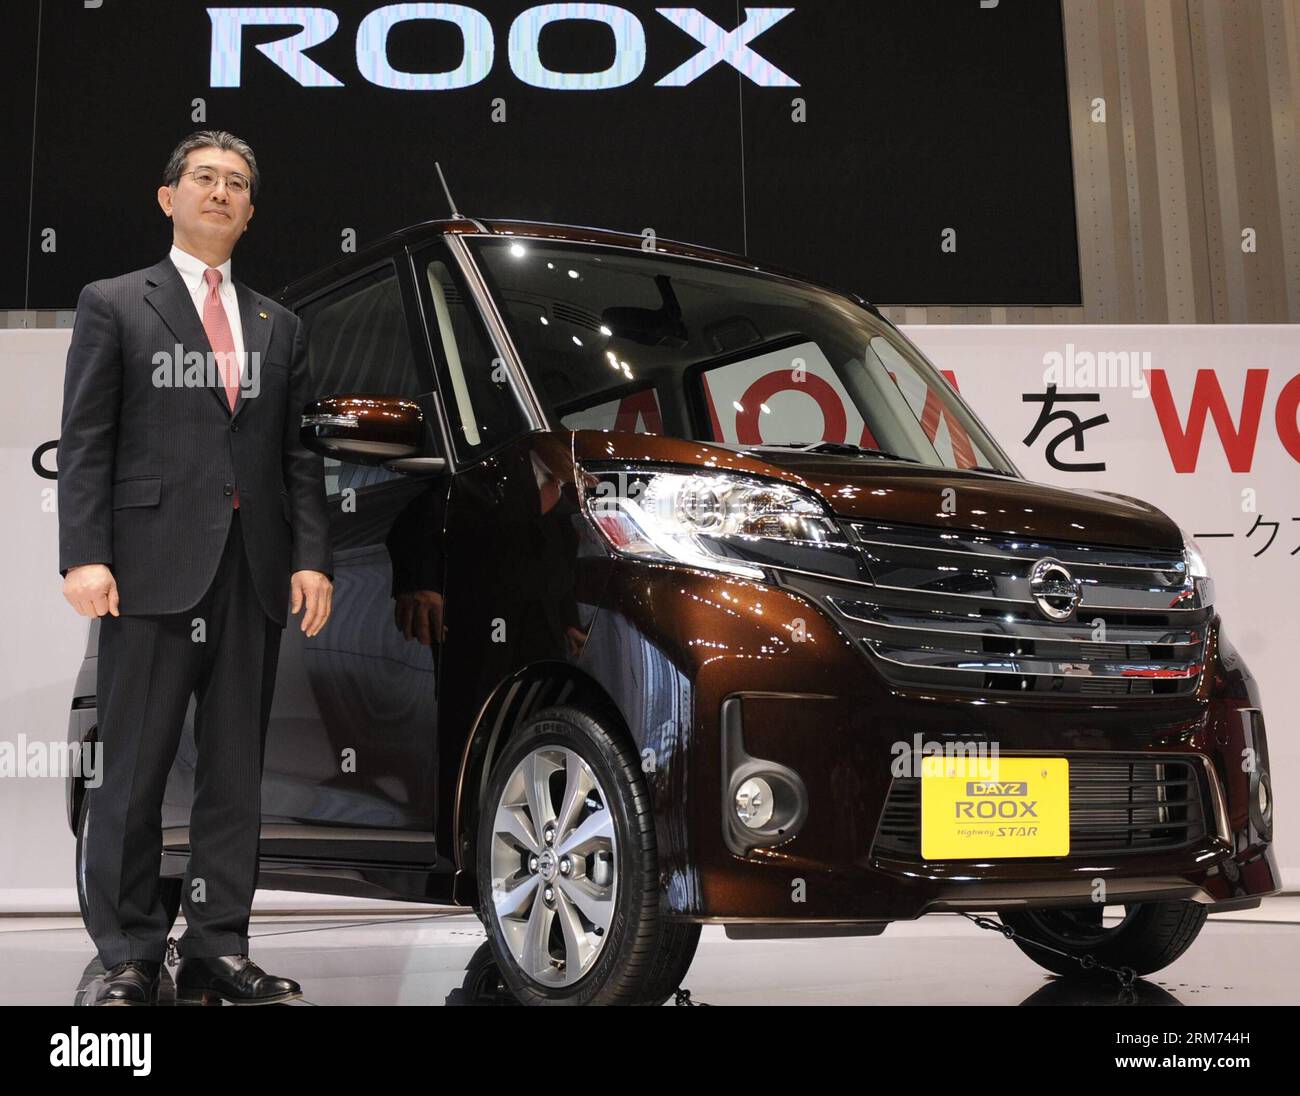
[{"x": 414, "y": 955}]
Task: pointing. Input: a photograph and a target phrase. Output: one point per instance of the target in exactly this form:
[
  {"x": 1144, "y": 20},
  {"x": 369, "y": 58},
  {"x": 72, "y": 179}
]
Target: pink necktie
[{"x": 217, "y": 325}]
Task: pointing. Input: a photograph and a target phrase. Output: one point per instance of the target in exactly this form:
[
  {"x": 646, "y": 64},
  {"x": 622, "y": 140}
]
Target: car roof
[{"x": 423, "y": 231}]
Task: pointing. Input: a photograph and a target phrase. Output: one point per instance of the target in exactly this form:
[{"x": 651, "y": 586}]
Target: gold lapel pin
[{"x": 262, "y": 314}]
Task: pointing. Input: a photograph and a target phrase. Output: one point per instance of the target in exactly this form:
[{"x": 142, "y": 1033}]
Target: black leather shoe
[
  {"x": 132, "y": 982},
  {"x": 211, "y": 979}
]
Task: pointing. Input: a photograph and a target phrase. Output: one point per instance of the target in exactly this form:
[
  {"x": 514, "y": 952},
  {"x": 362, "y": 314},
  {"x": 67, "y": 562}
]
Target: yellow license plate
[{"x": 994, "y": 808}]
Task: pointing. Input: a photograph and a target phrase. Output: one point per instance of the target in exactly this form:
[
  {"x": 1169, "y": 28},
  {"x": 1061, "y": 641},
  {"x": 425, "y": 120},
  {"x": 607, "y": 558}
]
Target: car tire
[
  {"x": 1149, "y": 937},
  {"x": 673, "y": 957},
  {"x": 169, "y": 887},
  {"x": 601, "y": 937}
]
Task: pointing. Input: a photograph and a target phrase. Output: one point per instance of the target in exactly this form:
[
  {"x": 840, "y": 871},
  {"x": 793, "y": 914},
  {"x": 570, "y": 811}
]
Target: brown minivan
[{"x": 674, "y": 590}]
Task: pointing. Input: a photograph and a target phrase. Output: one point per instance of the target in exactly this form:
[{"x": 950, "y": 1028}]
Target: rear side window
[
  {"x": 358, "y": 340},
  {"x": 359, "y": 343}
]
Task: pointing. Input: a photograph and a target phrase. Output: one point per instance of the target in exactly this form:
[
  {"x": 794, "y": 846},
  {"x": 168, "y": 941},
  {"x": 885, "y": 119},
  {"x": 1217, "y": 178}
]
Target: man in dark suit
[{"x": 189, "y": 516}]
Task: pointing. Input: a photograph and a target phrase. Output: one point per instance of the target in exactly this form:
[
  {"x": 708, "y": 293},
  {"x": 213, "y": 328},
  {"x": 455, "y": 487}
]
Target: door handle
[{"x": 417, "y": 466}]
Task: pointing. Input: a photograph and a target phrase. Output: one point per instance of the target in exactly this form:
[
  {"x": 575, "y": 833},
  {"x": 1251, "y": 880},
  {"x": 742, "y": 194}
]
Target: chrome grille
[
  {"x": 1117, "y": 805},
  {"x": 957, "y": 610}
]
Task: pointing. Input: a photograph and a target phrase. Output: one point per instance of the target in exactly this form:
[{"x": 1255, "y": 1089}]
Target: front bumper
[
  {"x": 811, "y": 704},
  {"x": 835, "y": 869}
]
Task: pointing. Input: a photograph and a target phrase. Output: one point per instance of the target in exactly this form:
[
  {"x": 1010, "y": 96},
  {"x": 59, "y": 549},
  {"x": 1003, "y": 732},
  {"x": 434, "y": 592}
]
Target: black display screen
[{"x": 839, "y": 139}]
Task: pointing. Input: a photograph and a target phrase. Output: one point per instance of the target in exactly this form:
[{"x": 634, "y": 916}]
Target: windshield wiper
[{"x": 839, "y": 447}]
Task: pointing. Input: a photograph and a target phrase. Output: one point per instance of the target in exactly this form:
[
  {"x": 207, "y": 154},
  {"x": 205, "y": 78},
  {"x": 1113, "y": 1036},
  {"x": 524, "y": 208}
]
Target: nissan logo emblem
[{"x": 1055, "y": 591}]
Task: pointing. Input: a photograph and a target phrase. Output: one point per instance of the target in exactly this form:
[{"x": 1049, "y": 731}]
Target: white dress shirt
[{"x": 191, "y": 270}]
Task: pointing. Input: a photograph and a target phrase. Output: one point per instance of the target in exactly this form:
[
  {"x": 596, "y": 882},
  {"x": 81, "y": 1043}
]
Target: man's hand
[
  {"x": 91, "y": 589},
  {"x": 418, "y": 615},
  {"x": 315, "y": 590},
  {"x": 577, "y": 640}
]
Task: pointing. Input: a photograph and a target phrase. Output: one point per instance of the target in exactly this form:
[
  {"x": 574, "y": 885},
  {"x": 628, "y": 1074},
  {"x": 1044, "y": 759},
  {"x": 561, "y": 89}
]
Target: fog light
[
  {"x": 754, "y": 802},
  {"x": 1261, "y": 804},
  {"x": 761, "y": 803}
]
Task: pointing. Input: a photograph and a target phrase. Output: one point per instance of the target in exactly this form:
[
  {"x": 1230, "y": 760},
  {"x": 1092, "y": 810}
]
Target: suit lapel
[
  {"x": 257, "y": 324},
  {"x": 171, "y": 300}
]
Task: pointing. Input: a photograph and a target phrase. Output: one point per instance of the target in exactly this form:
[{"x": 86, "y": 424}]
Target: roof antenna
[{"x": 455, "y": 213}]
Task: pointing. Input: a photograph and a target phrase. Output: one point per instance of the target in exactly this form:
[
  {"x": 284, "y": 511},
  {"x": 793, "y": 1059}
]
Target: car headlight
[
  {"x": 1196, "y": 565},
  {"x": 717, "y": 521},
  {"x": 1197, "y": 569}
]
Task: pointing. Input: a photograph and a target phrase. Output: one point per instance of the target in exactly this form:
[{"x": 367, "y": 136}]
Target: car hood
[{"x": 913, "y": 494}]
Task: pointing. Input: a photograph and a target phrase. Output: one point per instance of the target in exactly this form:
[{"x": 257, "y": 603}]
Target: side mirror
[{"x": 386, "y": 430}]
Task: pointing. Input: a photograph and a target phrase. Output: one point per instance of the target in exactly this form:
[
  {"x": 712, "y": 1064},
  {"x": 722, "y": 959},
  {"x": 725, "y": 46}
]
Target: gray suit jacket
[{"x": 147, "y": 465}]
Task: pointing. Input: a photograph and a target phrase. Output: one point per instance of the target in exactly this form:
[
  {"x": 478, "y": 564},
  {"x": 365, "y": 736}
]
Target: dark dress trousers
[{"x": 148, "y": 469}]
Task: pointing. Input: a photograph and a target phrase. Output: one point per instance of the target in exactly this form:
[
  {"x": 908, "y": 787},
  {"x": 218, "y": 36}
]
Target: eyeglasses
[{"x": 207, "y": 179}]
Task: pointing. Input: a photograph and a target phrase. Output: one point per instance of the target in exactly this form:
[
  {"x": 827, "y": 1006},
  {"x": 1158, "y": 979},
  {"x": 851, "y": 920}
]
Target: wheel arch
[{"x": 513, "y": 701}]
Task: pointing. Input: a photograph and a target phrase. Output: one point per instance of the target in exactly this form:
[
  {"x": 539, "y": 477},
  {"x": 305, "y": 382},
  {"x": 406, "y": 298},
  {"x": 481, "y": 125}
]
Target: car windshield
[{"x": 615, "y": 339}]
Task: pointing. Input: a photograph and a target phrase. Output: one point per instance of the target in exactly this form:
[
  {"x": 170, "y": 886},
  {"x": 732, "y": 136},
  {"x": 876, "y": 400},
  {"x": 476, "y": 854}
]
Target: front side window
[{"x": 614, "y": 339}]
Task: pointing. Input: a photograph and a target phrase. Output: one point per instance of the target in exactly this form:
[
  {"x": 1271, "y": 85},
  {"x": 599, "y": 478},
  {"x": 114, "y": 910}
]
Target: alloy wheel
[{"x": 554, "y": 862}]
